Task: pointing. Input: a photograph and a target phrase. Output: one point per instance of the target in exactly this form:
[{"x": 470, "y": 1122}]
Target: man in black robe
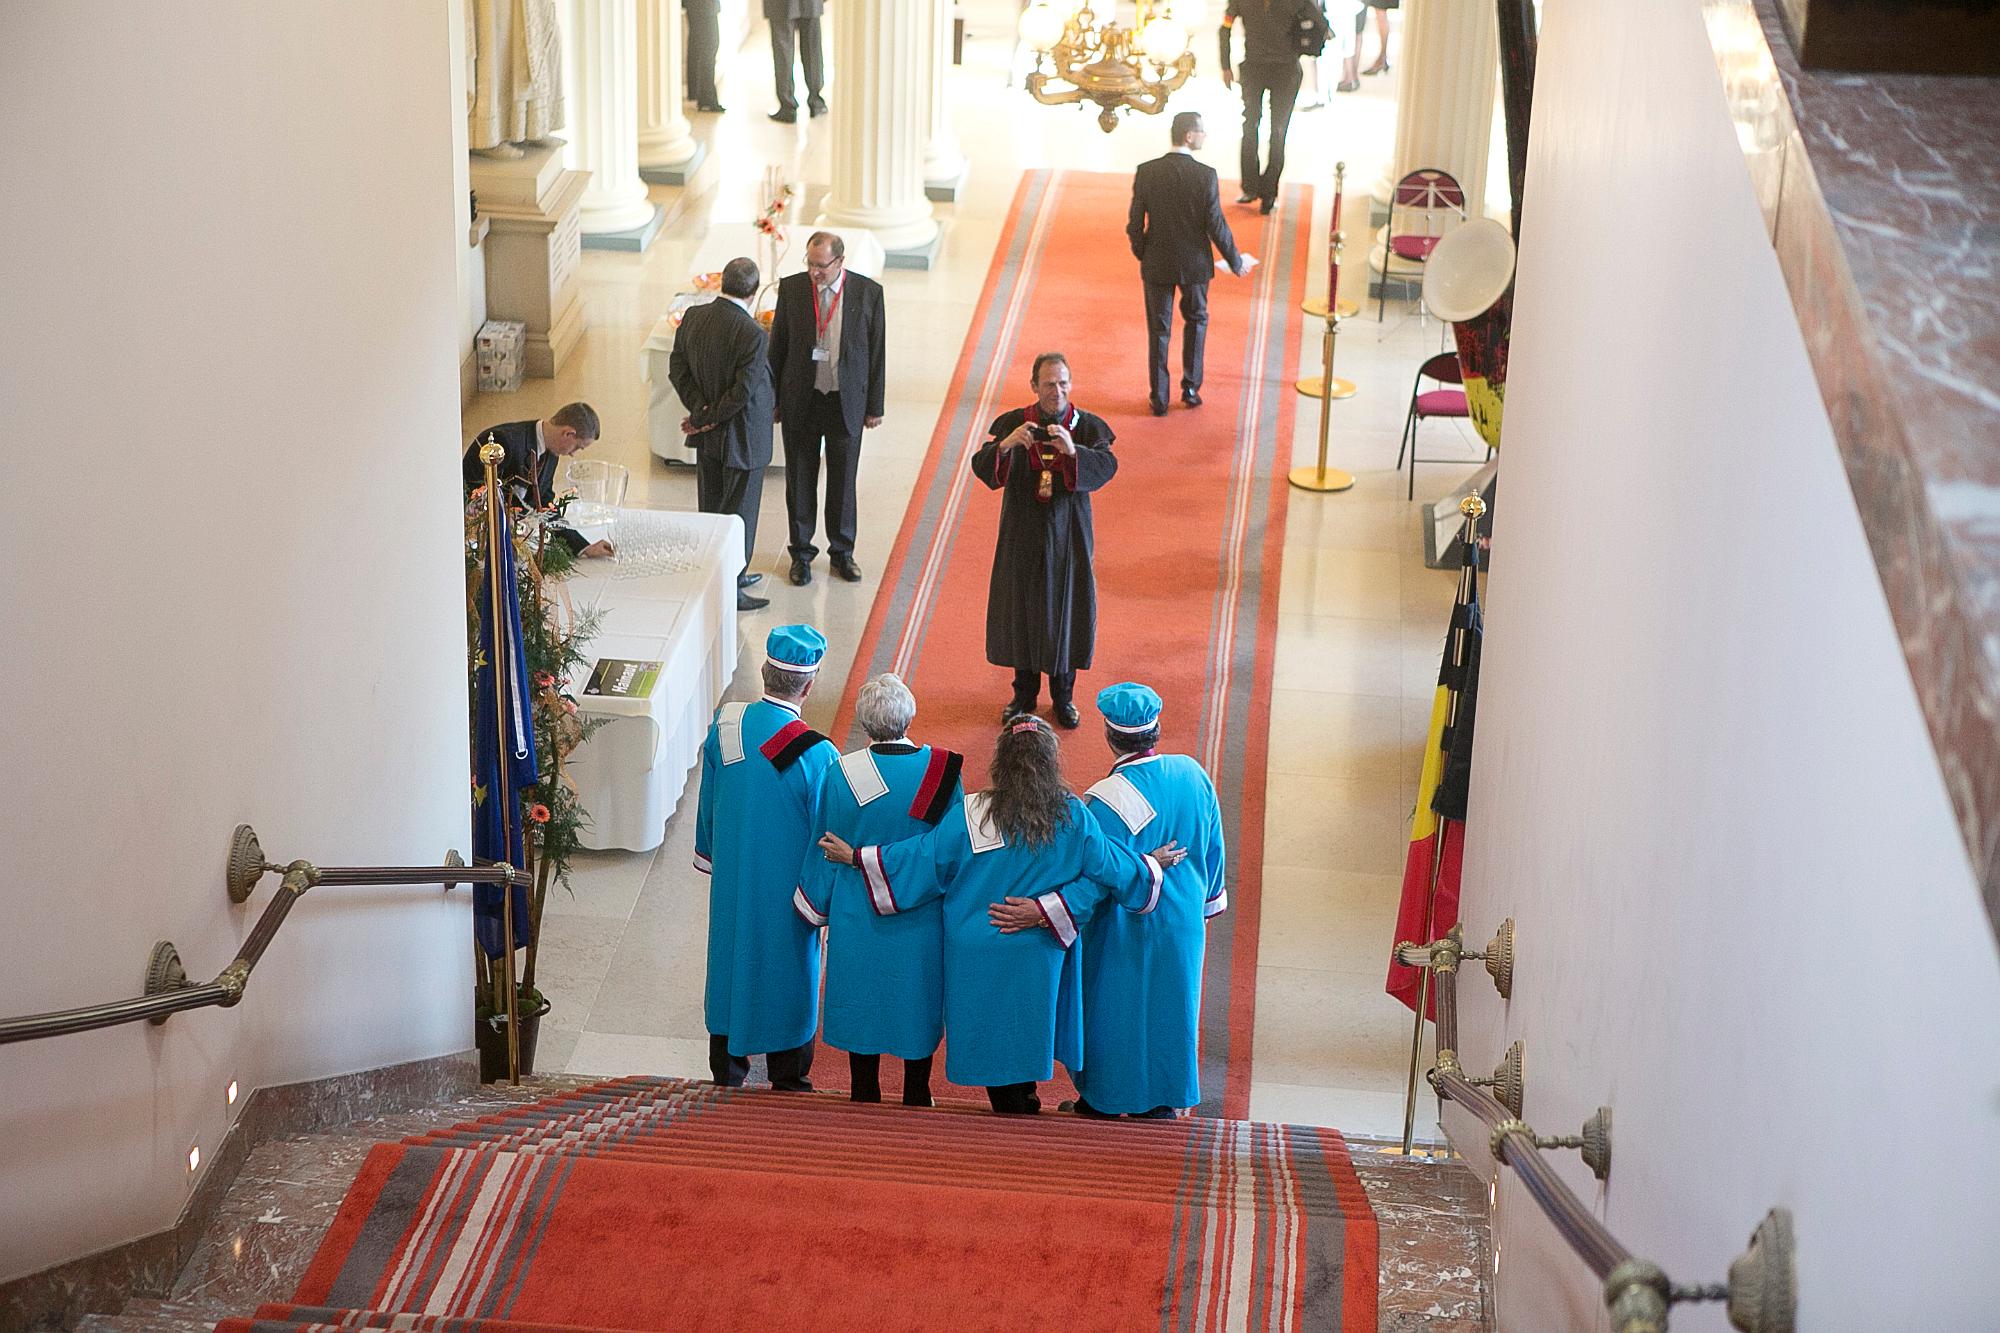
[{"x": 1041, "y": 607}]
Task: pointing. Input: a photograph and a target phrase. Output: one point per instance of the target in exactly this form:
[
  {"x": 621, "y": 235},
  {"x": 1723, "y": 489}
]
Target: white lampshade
[
  {"x": 1042, "y": 26},
  {"x": 1163, "y": 39}
]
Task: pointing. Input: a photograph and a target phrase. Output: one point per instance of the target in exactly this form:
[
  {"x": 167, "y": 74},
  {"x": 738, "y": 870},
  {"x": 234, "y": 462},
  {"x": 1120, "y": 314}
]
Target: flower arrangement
[
  {"x": 773, "y": 241},
  {"x": 553, "y": 638}
]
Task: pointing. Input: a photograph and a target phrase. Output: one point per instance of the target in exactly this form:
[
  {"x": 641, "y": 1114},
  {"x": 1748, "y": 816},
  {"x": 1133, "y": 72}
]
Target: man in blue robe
[
  {"x": 1001, "y": 985},
  {"x": 884, "y": 974},
  {"x": 761, "y": 768},
  {"x": 1141, "y": 981}
]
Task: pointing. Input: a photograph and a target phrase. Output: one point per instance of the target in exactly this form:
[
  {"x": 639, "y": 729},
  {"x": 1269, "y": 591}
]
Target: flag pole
[
  {"x": 491, "y": 453},
  {"x": 1473, "y": 508}
]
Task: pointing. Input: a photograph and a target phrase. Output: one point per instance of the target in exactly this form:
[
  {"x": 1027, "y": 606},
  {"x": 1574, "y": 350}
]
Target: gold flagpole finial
[{"x": 1472, "y": 507}]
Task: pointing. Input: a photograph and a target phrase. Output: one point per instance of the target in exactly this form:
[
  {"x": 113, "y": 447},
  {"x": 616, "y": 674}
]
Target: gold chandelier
[{"x": 1080, "y": 57}]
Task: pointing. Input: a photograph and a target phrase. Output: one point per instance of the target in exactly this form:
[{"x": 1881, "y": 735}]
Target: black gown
[{"x": 1041, "y": 606}]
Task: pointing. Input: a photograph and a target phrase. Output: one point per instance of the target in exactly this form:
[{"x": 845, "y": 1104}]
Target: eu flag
[{"x": 502, "y": 671}]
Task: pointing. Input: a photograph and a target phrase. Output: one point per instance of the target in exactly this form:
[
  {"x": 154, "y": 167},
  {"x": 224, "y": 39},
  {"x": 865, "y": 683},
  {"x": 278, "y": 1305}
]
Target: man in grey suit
[
  {"x": 795, "y": 27},
  {"x": 1176, "y": 216},
  {"x": 828, "y": 349},
  {"x": 720, "y": 369}
]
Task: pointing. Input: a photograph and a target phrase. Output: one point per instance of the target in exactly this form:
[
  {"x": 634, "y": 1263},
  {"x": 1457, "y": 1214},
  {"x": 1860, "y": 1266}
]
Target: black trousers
[
  {"x": 704, "y": 39},
  {"x": 788, "y": 1069},
  {"x": 1015, "y": 1099},
  {"x": 1160, "y": 328},
  {"x": 1028, "y": 688},
  {"x": 824, "y": 424},
  {"x": 721, "y": 489},
  {"x": 801, "y": 35},
  {"x": 1280, "y": 82},
  {"x": 864, "y": 1075}
]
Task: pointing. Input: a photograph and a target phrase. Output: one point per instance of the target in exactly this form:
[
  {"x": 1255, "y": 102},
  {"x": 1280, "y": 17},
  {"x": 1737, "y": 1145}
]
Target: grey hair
[
  {"x": 786, "y": 684},
  {"x": 885, "y": 708}
]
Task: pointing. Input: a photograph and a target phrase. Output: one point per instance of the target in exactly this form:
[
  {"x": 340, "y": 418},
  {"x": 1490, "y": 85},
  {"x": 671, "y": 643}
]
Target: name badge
[{"x": 821, "y": 354}]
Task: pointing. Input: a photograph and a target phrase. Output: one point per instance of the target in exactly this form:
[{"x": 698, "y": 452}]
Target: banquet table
[{"x": 668, "y": 596}]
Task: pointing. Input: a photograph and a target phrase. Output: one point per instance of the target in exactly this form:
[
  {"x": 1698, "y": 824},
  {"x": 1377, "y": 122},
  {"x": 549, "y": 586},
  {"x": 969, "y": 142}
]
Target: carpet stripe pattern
[
  {"x": 1190, "y": 535},
  {"x": 648, "y": 1203}
]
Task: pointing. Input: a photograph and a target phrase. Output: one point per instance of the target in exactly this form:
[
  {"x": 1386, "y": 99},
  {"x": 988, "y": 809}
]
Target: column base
[
  {"x": 946, "y": 186},
  {"x": 632, "y": 239},
  {"x": 917, "y": 256},
  {"x": 548, "y": 350},
  {"x": 675, "y": 173}
]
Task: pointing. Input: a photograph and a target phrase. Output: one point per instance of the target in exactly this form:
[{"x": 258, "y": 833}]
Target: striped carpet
[
  {"x": 648, "y": 1203},
  {"x": 1189, "y": 538}
]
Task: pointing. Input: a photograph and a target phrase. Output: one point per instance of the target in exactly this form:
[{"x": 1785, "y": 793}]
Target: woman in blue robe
[
  {"x": 884, "y": 972},
  {"x": 1025, "y": 836}
]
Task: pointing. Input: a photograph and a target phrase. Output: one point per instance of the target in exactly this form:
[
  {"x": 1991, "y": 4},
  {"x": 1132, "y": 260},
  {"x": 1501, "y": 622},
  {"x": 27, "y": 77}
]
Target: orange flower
[
  {"x": 543, "y": 680},
  {"x": 538, "y": 813}
]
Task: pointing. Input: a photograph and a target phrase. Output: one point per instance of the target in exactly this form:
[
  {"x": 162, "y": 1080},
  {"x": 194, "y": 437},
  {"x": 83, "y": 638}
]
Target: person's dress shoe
[
  {"x": 748, "y": 580},
  {"x": 802, "y": 571},
  {"x": 785, "y": 117},
  {"x": 1246, "y": 198},
  {"x": 1347, "y": 86},
  {"x": 711, "y": 108},
  {"x": 1192, "y": 397},
  {"x": 1066, "y": 716},
  {"x": 1267, "y": 205},
  {"x": 1159, "y": 408},
  {"x": 745, "y": 602},
  {"x": 816, "y": 108},
  {"x": 1379, "y": 67},
  {"x": 1015, "y": 708},
  {"x": 844, "y": 566}
]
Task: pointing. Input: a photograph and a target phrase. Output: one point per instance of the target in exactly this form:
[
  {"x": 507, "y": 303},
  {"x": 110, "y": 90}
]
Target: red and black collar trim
[
  {"x": 788, "y": 742},
  {"x": 934, "y": 793}
]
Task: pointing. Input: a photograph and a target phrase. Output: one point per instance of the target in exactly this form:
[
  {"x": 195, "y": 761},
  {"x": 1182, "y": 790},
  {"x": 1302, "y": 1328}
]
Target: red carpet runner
[
  {"x": 660, "y": 1204},
  {"x": 1189, "y": 537}
]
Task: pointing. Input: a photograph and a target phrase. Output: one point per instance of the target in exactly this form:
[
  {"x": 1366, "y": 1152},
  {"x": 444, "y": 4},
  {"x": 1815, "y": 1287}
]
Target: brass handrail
[
  {"x": 168, "y": 990},
  {"x": 1762, "y": 1288}
]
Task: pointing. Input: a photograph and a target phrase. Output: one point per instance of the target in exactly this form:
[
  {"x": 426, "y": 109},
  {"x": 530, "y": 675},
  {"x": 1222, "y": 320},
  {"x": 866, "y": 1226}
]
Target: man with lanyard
[
  {"x": 829, "y": 357},
  {"x": 884, "y": 974},
  {"x": 1141, "y": 975},
  {"x": 1041, "y": 604},
  {"x": 760, "y": 772}
]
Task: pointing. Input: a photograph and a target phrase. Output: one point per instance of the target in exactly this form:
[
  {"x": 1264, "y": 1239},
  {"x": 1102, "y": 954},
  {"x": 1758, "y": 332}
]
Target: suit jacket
[
  {"x": 1271, "y": 29},
  {"x": 722, "y": 373},
  {"x": 782, "y": 11},
  {"x": 1176, "y": 215},
  {"x": 520, "y": 464},
  {"x": 863, "y": 349}
]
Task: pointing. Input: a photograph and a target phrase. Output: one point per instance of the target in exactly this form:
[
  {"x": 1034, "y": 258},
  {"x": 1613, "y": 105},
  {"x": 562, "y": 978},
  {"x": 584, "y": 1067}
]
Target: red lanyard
[{"x": 823, "y": 320}]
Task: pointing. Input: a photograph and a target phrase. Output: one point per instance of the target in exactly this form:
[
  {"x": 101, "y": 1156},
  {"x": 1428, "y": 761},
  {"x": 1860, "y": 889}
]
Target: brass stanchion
[
  {"x": 1326, "y": 388},
  {"x": 1473, "y": 508},
  {"x": 491, "y": 455}
]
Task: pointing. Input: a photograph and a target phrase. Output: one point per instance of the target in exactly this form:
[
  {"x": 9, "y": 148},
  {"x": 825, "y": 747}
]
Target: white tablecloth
[
  {"x": 669, "y": 596},
  {"x": 724, "y": 242}
]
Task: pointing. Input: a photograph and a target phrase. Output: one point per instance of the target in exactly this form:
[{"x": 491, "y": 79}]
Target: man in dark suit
[
  {"x": 795, "y": 28},
  {"x": 1176, "y": 216},
  {"x": 827, "y": 359},
  {"x": 529, "y": 469},
  {"x": 1275, "y": 34},
  {"x": 721, "y": 371},
  {"x": 704, "y": 39}
]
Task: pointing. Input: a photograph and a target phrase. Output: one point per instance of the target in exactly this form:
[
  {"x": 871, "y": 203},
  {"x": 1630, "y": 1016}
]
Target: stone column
[
  {"x": 1450, "y": 65},
  {"x": 666, "y": 140},
  {"x": 879, "y": 123},
  {"x": 603, "y": 37},
  {"x": 944, "y": 164}
]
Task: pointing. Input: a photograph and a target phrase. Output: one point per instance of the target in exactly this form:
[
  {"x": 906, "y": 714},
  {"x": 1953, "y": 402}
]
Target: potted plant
[{"x": 548, "y": 813}]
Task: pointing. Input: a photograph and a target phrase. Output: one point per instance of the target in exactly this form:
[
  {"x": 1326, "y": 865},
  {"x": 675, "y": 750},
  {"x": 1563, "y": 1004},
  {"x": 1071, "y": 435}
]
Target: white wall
[
  {"x": 228, "y": 369},
  {"x": 1704, "y": 791}
]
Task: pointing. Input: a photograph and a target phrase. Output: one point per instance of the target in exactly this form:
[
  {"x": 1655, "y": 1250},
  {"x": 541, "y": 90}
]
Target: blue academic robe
[
  {"x": 760, "y": 771},
  {"x": 1141, "y": 975},
  {"x": 884, "y": 973},
  {"x": 1000, "y": 991}
]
